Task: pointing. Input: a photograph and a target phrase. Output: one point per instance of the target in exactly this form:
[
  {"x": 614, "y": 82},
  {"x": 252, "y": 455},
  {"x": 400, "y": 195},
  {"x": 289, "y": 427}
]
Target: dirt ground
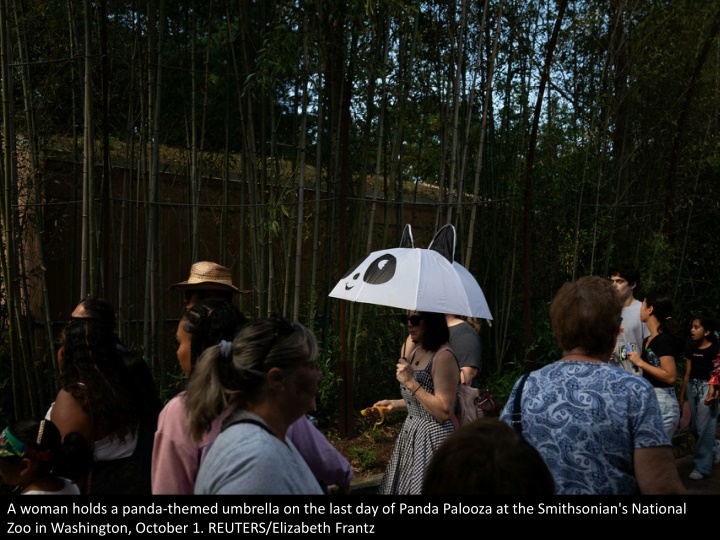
[{"x": 370, "y": 449}]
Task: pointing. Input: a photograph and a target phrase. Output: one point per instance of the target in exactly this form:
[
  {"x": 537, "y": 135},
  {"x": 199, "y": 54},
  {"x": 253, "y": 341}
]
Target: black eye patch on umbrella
[{"x": 381, "y": 270}]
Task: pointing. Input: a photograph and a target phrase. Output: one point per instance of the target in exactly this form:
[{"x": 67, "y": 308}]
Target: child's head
[
  {"x": 704, "y": 328},
  {"x": 29, "y": 449},
  {"x": 487, "y": 457}
]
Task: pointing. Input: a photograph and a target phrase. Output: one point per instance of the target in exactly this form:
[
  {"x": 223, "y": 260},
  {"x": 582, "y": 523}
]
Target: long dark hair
[
  {"x": 102, "y": 311},
  {"x": 93, "y": 371},
  {"x": 711, "y": 325}
]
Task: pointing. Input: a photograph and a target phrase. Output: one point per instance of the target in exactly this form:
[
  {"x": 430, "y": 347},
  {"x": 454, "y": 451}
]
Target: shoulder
[
  {"x": 239, "y": 446},
  {"x": 174, "y": 412},
  {"x": 665, "y": 345},
  {"x": 301, "y": 428},
  {"x": 591, "y": 375},
  {"x": 445, "y": 356},
  {"x": 65, "y": 401},
  {"x": 243, "y": 451},
  {"x": 463, "y": 332}
]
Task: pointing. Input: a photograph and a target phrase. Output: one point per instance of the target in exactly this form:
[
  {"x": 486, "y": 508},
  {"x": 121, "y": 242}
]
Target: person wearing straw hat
[
  {"x": 207, "y": 280},
  {"x": 210, "y": 280}
]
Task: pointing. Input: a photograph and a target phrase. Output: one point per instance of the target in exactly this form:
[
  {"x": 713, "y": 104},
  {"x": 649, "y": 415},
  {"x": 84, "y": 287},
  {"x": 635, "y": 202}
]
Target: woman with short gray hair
[{"x": 597, "y": 427}]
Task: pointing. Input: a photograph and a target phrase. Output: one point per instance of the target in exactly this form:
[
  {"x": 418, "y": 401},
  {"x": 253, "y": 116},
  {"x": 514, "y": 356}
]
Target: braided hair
[{"x": 208, "y": 322}]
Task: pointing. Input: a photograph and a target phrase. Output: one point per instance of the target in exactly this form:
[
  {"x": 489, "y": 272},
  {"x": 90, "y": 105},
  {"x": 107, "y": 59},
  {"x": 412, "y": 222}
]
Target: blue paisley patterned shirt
[{"x": 586, "y": 419}]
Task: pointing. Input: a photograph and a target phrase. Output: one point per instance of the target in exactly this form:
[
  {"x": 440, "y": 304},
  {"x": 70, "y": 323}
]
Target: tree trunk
[
  {"x": 483, "y": 127},
  {"x": 528, "y": 179},
  {"x": 88, "y": 159},
  {"x": 456, "y": 113}
]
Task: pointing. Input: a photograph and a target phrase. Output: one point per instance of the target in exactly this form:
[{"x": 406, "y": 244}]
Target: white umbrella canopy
[{"x": 415, "y": 279}]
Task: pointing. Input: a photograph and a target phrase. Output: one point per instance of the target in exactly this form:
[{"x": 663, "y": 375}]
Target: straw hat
[{"x": 208, "y": 276}]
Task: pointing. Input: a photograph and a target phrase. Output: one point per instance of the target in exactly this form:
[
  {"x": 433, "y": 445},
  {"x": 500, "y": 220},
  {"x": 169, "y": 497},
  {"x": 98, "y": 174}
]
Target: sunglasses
[{"x": 414, "y": 320}]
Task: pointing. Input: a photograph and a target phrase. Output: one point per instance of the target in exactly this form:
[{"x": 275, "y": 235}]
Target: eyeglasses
[{"x": 414, "y": 320}]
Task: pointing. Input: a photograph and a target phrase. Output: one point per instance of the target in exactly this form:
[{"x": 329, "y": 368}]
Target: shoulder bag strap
[
  {"x": 432, "y": 368},
  {"x": 516, "y": 415},
  {"x": 233, "y": 421}
]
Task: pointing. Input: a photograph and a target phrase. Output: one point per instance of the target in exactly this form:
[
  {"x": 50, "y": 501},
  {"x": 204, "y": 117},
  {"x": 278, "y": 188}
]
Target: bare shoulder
[
  {"x": 445, "y": 358},
  {"x": 65, "y": 400},
  {"x": 68, "y": 415}
]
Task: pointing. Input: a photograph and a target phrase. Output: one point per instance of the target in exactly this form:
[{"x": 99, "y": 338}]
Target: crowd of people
[{"x": 599, "y": 420}]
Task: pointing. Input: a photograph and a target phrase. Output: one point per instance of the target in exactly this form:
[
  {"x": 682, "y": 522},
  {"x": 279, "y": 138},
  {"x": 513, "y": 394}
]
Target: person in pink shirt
[{"x": 176, "y": 457}]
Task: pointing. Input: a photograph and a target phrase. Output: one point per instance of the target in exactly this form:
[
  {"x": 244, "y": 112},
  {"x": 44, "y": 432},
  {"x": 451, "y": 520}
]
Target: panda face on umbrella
[
  {"x": 379, "y": 271},
  {"x": 415, "y": 279}
]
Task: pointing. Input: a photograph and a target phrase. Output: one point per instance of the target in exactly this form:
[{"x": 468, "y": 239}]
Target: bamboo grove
[{"x": 558, "y": 136}]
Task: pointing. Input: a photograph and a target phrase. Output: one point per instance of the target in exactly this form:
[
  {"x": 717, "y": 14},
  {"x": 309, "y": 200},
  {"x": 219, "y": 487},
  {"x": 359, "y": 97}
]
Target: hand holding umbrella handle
[{"x": 404, "y": 373}]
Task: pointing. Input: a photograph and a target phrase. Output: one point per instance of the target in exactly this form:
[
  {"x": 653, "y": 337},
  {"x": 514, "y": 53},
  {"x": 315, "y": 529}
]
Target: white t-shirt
[
  {"x": 111, "y": 447},
  {"x": 632, "y": 333},
  {"x": 70, "y": 488}
]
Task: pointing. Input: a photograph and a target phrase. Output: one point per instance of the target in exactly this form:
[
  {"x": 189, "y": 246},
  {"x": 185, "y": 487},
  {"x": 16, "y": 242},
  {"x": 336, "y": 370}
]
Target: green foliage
[
  {"x": 175, "y": 382},
  {"x": 544, "y": 347},
  {"x": 6, "y": 393},
  {"x": 379, "y": 340},
  {"x": 501, "y": 382},
  {"x": 366, "y": 457},
  {"x": 661, "y": 257},
  {"x": 376, "y": 434},
  {"x": 327, "y": 398},
  {"x": 601, "y": 176}
]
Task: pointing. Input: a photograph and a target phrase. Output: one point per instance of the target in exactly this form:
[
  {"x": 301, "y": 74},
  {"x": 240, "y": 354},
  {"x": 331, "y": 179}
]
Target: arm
[
  {"x": 406, "y": 352},
  {"x": 712, "y": 394},
  {"x": 392, "y": 404},
  {"x": 446, "y": 377},
  {"x": 69, "y": 416},
  {"x": 175, "y": 457},
  {"x": 655, "y": 471},
  {"x": 468, "y": 374},
  {"x": 325, "y": 462},
  {"x": 714, "y": 382},
  {"x": 467, "y": 346},
  {"x": 667, "y": 372},
  {"x": 685, "y": 381}
]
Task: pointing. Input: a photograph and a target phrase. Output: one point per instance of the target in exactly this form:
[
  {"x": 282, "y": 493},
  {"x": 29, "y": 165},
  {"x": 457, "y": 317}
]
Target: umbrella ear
[
  {"x": 407, "y": 238},
  {"x": 444, "y": 242}
]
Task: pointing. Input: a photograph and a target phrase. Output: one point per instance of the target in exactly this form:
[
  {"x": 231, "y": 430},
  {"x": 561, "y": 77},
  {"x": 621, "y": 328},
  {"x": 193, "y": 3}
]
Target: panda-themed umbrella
[{"x": 417, "y": 279}]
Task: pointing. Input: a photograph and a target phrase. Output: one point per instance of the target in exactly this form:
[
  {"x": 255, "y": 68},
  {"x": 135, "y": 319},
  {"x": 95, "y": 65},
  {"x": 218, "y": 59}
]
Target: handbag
[
  {"x": 467, "y": 404},
  {"x": 470, "y": 403}
]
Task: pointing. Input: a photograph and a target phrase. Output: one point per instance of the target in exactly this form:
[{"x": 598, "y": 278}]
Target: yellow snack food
[{"x": 378, "y": 411}]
